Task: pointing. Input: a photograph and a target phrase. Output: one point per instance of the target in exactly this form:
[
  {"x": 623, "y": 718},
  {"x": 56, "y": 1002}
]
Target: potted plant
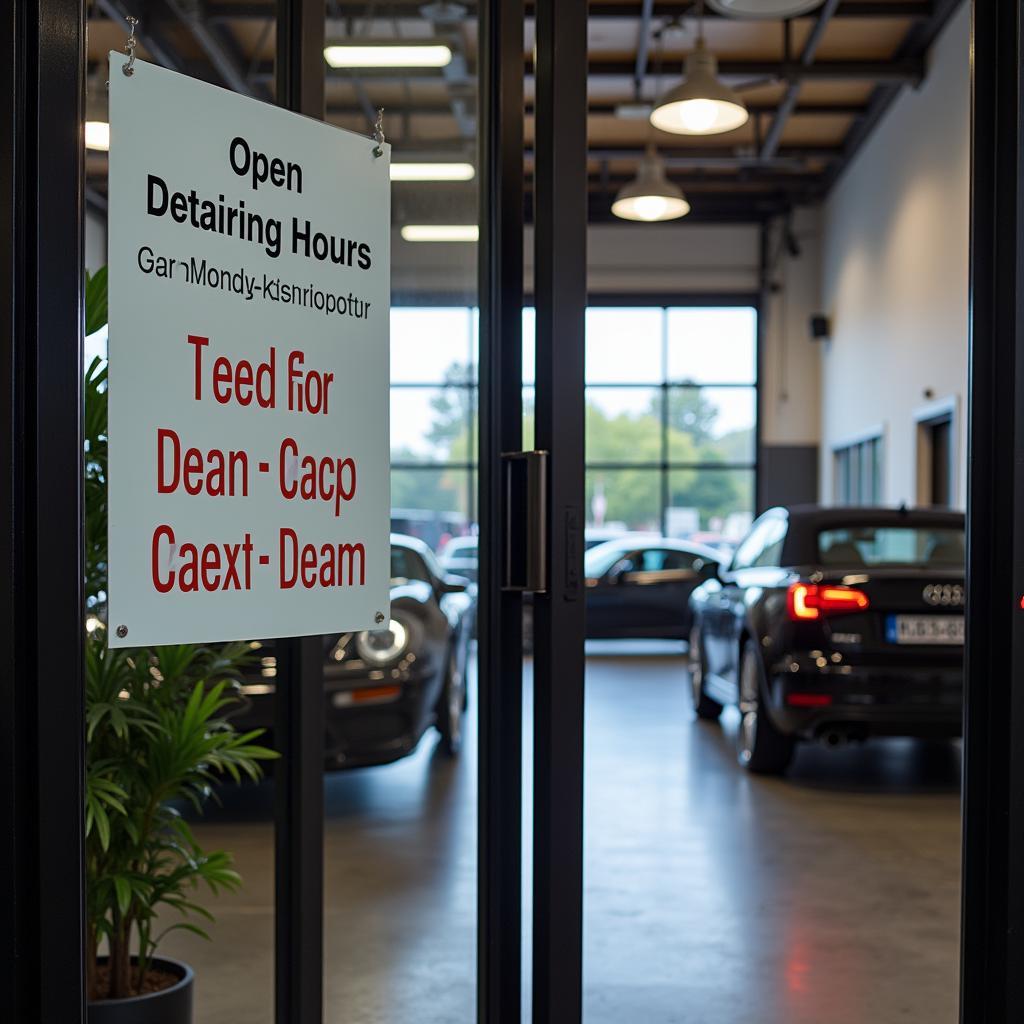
[{"x": 157, "y": 739}]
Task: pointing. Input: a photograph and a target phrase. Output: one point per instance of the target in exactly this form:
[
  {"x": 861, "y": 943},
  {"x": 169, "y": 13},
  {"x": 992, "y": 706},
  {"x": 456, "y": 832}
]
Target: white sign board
[{"x": 249, "y": 295}]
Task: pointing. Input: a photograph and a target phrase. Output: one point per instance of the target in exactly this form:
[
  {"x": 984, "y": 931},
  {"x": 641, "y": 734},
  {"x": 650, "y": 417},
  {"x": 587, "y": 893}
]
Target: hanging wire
[
  {"x": 378, "y": 133},
  {"x": 129, "y": 47}
]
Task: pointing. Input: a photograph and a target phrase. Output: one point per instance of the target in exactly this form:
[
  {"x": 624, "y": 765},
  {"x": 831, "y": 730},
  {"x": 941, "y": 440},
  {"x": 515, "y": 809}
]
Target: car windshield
[{"x": 879, "y": 546}]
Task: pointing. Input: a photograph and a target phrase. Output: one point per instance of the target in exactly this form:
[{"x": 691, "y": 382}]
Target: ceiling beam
[
  {"x": 704, "y": 156},
  {"x": 706, "y": 209},
  {"x": 456, "y": 75},
  {"x": 256, "y": 9},
  {"x": 220, "y": 51},
  {"x": 907, "y": 71},
  {"x": 685, "y": 156},
  {"x": 598, "y": 108},
  {"x": 643, "y": 46},
  {"x": 727, "y": 184},
  {"x": 147, "y": 31},
  {"x": 686, "y": 8},
  {"x": 919, "y": 39},
  {"x": 792, "y": 93}
]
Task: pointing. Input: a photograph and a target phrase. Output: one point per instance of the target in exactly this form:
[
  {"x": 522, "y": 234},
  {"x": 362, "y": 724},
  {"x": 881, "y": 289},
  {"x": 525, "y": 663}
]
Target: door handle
[{"x": 525, "y": 563}]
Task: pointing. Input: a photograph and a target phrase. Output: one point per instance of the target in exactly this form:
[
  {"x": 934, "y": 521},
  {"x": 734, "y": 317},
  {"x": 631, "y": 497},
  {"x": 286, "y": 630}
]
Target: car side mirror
[{"x": 452, "y": 584}]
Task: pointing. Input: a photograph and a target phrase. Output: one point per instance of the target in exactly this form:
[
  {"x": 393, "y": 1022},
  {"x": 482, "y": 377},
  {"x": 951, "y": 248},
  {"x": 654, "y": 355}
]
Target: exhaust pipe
[{"x": 833, "y": 738}]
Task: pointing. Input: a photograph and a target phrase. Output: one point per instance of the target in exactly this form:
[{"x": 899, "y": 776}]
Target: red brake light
[
  {"x": 806, "y": 601},
  {"x": 809, "y": 700}
]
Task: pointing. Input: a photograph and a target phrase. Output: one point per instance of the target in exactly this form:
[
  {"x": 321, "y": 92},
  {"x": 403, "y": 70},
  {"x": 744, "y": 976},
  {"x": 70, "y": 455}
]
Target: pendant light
[
  {"x": 650, "y": 196},
  {"x": 764, "y": 8},
  {"x": 702, "y": 104}
]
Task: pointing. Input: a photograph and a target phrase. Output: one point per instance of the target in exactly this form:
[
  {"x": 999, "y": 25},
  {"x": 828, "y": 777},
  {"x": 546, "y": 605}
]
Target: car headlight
[{"x": 380, "y": 646}]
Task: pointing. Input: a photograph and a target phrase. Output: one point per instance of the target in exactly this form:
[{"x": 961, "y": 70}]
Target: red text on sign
[
  {"x": 243, "y": 383},
  {"x": 191, "y": 568},
  {"x": 239, "y": 382},
  {"x": 327, "y": 479},
  {"x": 329, "y": 565},
  {"x": 216, "y": 473},
  {"x": 308, "y": 390}
]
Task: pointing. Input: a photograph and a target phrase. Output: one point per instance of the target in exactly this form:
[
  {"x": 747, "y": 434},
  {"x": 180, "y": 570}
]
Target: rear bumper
[{"x": 808, "y": 700}]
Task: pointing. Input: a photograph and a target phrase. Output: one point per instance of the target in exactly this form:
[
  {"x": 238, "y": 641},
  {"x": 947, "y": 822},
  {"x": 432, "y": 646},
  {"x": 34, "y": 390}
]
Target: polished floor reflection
[{"x": 828, "y": 896}]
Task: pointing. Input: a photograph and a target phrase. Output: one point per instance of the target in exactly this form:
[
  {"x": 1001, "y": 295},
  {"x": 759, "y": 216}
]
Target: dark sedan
[
  {"x": 834, "y": 624},
  {"x": 384, "y": 688},
  {"x": 641, "y": 587}
]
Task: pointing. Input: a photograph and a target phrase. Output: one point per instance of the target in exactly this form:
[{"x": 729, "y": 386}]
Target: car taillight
[{"x": 807, "y": 601}]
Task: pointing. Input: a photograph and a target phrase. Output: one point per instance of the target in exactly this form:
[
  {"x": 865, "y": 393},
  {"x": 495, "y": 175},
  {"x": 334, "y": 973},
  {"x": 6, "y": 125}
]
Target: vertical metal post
[
  {"x": 666, "y": 393},
  {"x": 992, "y": 939},
  {"x": 299, "y": 706},
  {"x": 41, "y": 556},
  {"x": 764, "y": 291},
  {"x": 560, "y": 288},
  {"x": 500, "y": 665}
]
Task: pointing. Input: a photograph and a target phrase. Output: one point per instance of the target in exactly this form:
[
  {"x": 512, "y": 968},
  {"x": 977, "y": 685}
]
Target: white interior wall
[
  {"x": 791, "y": 361},
  {"x": 650, "y": 258},
  {"x": 895, "y": 274}
]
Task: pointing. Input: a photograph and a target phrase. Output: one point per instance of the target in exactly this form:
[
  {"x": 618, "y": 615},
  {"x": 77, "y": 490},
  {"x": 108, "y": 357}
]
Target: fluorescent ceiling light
[
  {"x": 389, "y": 55},
  {"x": 432, "y": 172},
  {"x": 702, "y": 104},
  {"x": 97, "y": 135},
  {"x": 650, "y": 196},
  {"x": 763, "y": 8},
  {"x": 440, "y": 233}
]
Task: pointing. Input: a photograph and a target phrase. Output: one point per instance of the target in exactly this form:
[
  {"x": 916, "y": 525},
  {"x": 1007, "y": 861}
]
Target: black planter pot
[{"x": 171, "y": 1006}]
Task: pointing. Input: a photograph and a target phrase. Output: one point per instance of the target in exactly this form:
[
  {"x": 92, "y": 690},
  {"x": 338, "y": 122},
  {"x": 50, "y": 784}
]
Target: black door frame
[
  {"x": 42, "y": 605},
  {"x": 500, "y": 654},
  {"x": 560, "y": 296},
  {"x": 41, "y": 228},
  {"x": 992, "y": 932},
  {"x": 299, "y": 727}
]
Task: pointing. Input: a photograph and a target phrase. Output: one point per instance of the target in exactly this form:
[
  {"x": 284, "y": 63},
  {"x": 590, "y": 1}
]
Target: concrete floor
[{"x": 828, "y": 897}]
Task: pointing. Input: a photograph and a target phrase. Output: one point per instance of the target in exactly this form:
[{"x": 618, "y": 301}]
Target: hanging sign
[{"x": 249, "y": 292}]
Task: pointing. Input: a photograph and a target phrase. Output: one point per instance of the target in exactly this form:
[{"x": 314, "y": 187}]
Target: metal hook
[
  {"x": 378, "y": 133},
  {"x": 129, "y": 47}
]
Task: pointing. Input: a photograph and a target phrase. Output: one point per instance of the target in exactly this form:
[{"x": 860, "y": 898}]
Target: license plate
[{"x": 925, "y": 629}]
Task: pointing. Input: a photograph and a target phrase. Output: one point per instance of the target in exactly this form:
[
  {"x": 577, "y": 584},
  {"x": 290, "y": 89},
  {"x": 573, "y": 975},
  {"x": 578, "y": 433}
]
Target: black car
[
  {"x": 384, "y": 688},
  {"x": 641, "y": 587},
  {"x": 834, "y": 624}
]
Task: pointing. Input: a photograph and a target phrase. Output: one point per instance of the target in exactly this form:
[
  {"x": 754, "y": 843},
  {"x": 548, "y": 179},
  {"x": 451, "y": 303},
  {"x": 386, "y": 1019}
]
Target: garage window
[
  {"x": 671, "y": 419},
  {"x": 858, "y": 472}
]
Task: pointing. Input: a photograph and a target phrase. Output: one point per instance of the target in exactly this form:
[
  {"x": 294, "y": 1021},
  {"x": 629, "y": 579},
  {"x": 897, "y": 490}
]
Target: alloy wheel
[
  {"x": 748, "y": 705},
  {"x": 696, "y": 667},
  {"x": 454, "y": 701}
]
